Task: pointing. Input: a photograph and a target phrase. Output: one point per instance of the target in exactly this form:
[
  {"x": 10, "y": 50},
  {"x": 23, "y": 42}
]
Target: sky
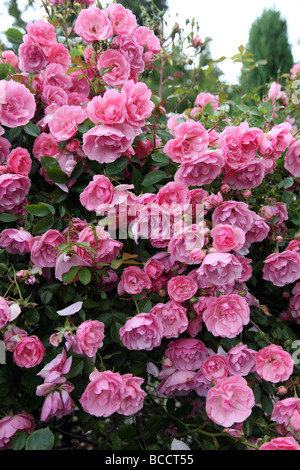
[{"x": 226, "y": 22}]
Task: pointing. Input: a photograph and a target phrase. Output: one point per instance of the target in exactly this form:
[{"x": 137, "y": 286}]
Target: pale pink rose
[
  {"x": 203, "y": 98},
  {"x": 190, "y": 142},
  {"x": 43, "y": 253},
  {"x": 13, "y": 191},
  {"x": 11, "y": 58},
  {"x": 146, "y": 38},
  {"x": 241, "y": 360},
  {"x": 32, "y": 57},
  {"x": 276, "y": 94},
  {"x": 98, "y": 194},
  {"x": 107, "y": 143},
  {"x": 173, "y": 318},
  {"x": 42, "y": 33},
  {"x": 65, "y": 120},
  {"x": 131, "y": 49},
  {"x": 186, "y": 242},
  {"x": 173, "y": 197},
  {"x": 187, "y": 353},
  {"x": 17, "y": 105},
  {"x": 276, "y": 141},
  {"x": 292, "y": 159},
  {"x": 132, "y": 395},
  {"x": 11, "y": 425},
  {"x": 277, "y": 209},
  {"x": 54, "y": 95},
  {"x": 138, "y": 103},
  {"x": 45, "y": 146},
  {"x": 274, "y": 364},
  {"x": 284, "y": 410},
  {"x": 12, "y": 336},
  {"x": 4, "y": 149},
  {"x": 295, "y": 421},
  {"x": 181, "y": 288},
  {"x": 205, "y": 171},
  {"x": 281, "y": 443},
  {"x": 295, "y": 70},
  {"x": 93, "y": 24},
  {"x": 117, "y": 64},
  {"x": 59, "y": 54},
  {"x": 133, "y": 281},
  {"x": 142, "y": 332},
  {"x": 29, "y": 352},
  {"x": 230, "y": 401},
  {"x": 90, "y": 335},
  {"x": 282, "y": 268},
  {"x": 19, "y": 161},
  {"x": 215, "y": 368},
  {"x": 220, "y": 268},
  {"x": 258, "y": 231},
  {"x": 123, "y": 20},
  {"x": 226, "y": 315},
  {"x": 176, "y": 382},
  {"x": 227, "y": 238},
  {"x": 107, "y": 109},
  {"x": 106, "y": 248},
  {"x": 249, "y": 175},
  {"x": 58, "y": 403},
  {"x": 4, "y": 312},
  {"x": 15, "y": 241},
  {"x": 60, "y": 365},
  {"x": 196, "y": 316}
]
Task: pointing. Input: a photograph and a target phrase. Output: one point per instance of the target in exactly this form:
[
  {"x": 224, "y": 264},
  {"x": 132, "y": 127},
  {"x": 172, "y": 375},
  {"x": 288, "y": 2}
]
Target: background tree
[
  {"x": 140, "y": 6},
  {"x": 268, "y": 39}
]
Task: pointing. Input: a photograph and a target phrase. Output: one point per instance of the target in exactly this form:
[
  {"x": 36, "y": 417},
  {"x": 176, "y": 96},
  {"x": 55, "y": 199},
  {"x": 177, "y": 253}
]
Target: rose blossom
[
  {"x": 173, "y": 318},
  {"x": 4, "y": 312},
  {"x": 13, "y": 191},
  {"x": 274, "y": 364},
  {"x": 138, "y": 102},
  {"x": 215, "y": 368},
  {"x": 220, "y": 268},
  {"x": 45, "y": 145},
  {"x": 142, "y": 332},
  {"x": 9, "y": 57},
  {"x": 132, "y": 51},
  {"x": 119, "y": 67},
  {"x": 59, "y": 54},
  {"x": 107, "y": 109},
  {"x": 226, "y": 315},
  {"x": 5, "y": 145},
  {"x": 58, "y": 403},
  {"x": 292, "y": 159},
  {"x": 15, "y": 241},
  {"x": 11, "y": 425},
  {"x": 32, "y": 57},
  {"x": 248, "y": 176},
  {"x": 90, "y": 335},
  {"x": 43, "y": 253},
  {"x": 17, "y": 106},
  {"x": 282, "y": 268},
  {"x": 281, "y": 443},
  {"x": 29, "y": 352},
  {"x": 146, "y": 38},
  {"x": 106, "y": 248},
  {"x": 241, "y": 360},
  {"x": 92, "y": 24},
  {"x": 186, "y": 243},
  {"x": 123, "y": 20},
  {"x": 19, "y": 161},
  {"x": 181, "y": 288},
  {"x": 229, "y": 401},
  {"x": 42, "y": 33},
  {"x": 154, "y": 268},
  {"x": 54, "y": 95},
  {"x": 207, "y": 168},
  {"x": 187, "y": 353},
  {"x": 227, "y": 238},
  {"x": 176, "y": 382},
  {"x": 203, "y": 98},
  {"x": 133, "y": 281},
  {"x": 65, "y": 120},
  {"x": 98, "y": 194},
  {"x": 12, "y": 336},
  {"x": 284, "y": 410},
  {"x": 132, "y": 395}
]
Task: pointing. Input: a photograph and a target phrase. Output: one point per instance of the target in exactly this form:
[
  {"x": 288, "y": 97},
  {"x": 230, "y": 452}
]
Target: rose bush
[{"x": 150, "y": 257}]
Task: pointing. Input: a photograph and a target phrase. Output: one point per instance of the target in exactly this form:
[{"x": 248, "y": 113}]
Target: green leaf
[
  {"x": 84, "y": 275},
  {"x": 32, "y": 129},
  {"x": 77, "y": 170},
  {"x": 14, "y": 132},
  {"x": 14, "y": 35},
  {"x": 57, "y": 175},
  {"x": 70, "y": 275},
  {"x": 19, "y": 440},
  {"x": 286, "y": 183},
  {"x": 116, "y": 167},
  {"x": 42, "y": 439},
  {"x": 160, "y": 159},
  {"x": 127, "y": 432},
  {"x": 114, "y": 332},
  {"x": 40, "y": 210},
  {"x": 6, "y": 217},
  {"x": 43, "y": 225},
  {"x": 154, "y": 177},
  {"x": 4, "y": 70}
]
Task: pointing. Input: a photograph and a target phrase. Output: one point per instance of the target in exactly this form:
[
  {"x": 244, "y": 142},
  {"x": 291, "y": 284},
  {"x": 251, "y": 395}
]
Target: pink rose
[
  {"x": 284, "y": 410},
  {"x": 186, "y": 242},
  {"x": 241, "y": 360},
  {"x": 234, "y": 213},
  {"x": 259, "y": 230},
  {"x": 146, "y": 38},
  {"x": 187, "y": 353},
  {"x": 58, "y": 403},
  {"x": 154, "y": 268},
  {"x": 138, "y": 102},
  {"x": 105, "y": 248},
  {"x": 43, "y": 253},
  {"x": 17, "y": 106},
  {"x": 98, "y": 194},
  {"x": 45, "y": 145},
  {"x": 282, "y": 268},
  {"x": 42, "y": 33},
  {"x": 59, "y": 54},
  {"x": 276, "y": 94},
  {"x": 12, "y": 336},
  {"x": 119, "y": 67},
  {"x": 4, "y": 149},
  {"x": 229, "y": 401},
  {"x": 203, "y": 98},
  {"x": 142, "y": 332},
  {"x": 220, "y": 268},
  {"x": 11, "y": 58},
  {"x": 132, "y": 395},
  {"x": 11, "y": 425},
  {"x": 181, "y": 288},
  {"x": 190, "y": 142},
  {"x": 207, "y": 168},
  {"x": 65, "y": 120},
  {"x": 227, "y": 238},
  {"x": 15, "y": 241},
  {"x": 92, "y": 24},
  {"x": 176, "y": 382},
  {"x": 54, "y": 95},
  {"x": 281, "y": 443},
  {"x": 4, "y": 312},
  {"x": 276, "y": 141},
  {"x": 173, "y": 197},
  {"x": 19, "y": 161},
  {"x": 123, "y": 20},
  {"x": 107, "y": 143},
  {"x": 13, "y": 191},
  {"x": 134, "y": 53},
  {"x": 248, "y": 176},
  {"x": 215, "y": 368},
  {"x": 90, "y": 335},
  {"x": 133, "y": 281},
  {"x": 32, "y": 57},
  {"x": 107, "y": 109},
  {"x": 292, "y": 159},
  {"x": 29, "y": 352},
  {"x": 173, "y": 318},
  {"x": 103, "y": 395},
  {"x": 274, "y": 364},
  {"x": 55, "y": 75}
]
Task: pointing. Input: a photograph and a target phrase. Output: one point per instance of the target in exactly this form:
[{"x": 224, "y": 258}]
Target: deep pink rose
[
  {"x": 274, "y": 364},
  {"x": 92, "y": 24},
  {"x": 32, "y": 57},
  {"x": 142, "y": 332},
  {"x": 227, "y": 238},
  {"x": 132, "y": 395},
  {"x": 19, "y": 161},
  {"x": 154, "y": 268},
  {"x": 5, "y": 145},
  {"x": 123, "y": 20},
  {"x": 173, "y": 318},
  {"x": 133, "y": 281},
  {"x": 187, "y": 353},
  {"x": 98, "y": 194},
  {"x": 15, "y": 241},
  {"x": 107, "y": 109},
  {"x": 181, "y": 288},
  {"x": 43, "y": 253},
  {"x": 281, "y": 443},
  {"x": 241, "y": 360},
  {"x": 292, "y": 159},
  {"x": 207, "y": 169},
  {"x": 119, "y": 67},
  {"x": 90, "y": 335},
  {"x": 229, "y": 401},
  {"x": 282, "y": 268},
  {"x": 54, "y": 95},
  {"x": 173, "y": 197},
  {"x": 17, "y": 106},
  {"x": 45, "y": 146},
  {"x": 248, "y": 176},
  {"x": 105, "y": 248},
  {"x": 13, "y": 191},
  {"x": 138, "y": 102},
  {"x": 29, "y": 352},
  {"x": 215, "y": 368},
  {"x": 220, "y": 268},
  {"x": 226, "y": 315},
  {"x": 190, "y": 142},
  {"x": 64, "y": 123},
  {"x": 11, "y": 425},
  {"x": 59, "y": 54}
]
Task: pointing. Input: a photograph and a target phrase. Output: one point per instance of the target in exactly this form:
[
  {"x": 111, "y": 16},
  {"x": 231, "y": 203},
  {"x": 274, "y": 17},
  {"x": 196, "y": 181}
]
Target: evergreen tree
[{"x": 137, "y": 7}]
